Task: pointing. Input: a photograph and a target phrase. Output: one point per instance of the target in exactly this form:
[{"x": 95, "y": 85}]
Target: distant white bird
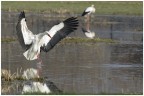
[
  {"x": 30, "y": 73},
  {"x": 45, "y": 41},
  {"x": 88, "y": 33},
  {"x": 89, "y": 10},
  {"x": 36, "y": 87}
]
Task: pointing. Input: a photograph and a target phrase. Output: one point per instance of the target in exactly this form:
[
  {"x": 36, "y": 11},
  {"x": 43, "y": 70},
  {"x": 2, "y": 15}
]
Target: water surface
[{"x": 84, "y": 68}]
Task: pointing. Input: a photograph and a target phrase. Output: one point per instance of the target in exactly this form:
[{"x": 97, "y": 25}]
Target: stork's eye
[{"x": 25, "y": 20}]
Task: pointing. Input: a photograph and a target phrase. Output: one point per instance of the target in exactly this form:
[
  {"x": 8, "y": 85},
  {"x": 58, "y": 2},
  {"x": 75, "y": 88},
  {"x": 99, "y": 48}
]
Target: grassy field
[{"x": 75, "y": 7}]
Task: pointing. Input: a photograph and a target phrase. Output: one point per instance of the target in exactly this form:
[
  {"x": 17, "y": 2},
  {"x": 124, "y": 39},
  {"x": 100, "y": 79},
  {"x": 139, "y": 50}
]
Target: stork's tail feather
[
  {"x": 22, "y": 15},
  {"x": 84, "y": 13}
]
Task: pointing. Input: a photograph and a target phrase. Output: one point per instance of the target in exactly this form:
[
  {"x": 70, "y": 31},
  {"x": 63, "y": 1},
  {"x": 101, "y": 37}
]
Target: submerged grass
[{"x": 76, "y": 7}]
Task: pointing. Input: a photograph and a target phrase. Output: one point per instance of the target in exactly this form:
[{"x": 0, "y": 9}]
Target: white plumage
[
  {"x": 89, "y": 10},
  {"x": 36, "y": 87},
  {"x": 87, "y": 13},
  {"x": 34, "y": 43},
  {"x": 88, "y": 33},
  {"x": 30, "y": 73}
]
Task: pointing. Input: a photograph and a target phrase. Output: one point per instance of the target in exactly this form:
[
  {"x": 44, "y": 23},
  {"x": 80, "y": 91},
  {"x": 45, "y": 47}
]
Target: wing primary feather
[
  {"x": 20, "y": 33},
  {"x": 84, "y": 13},
  {"x": 70, "y": 25}
]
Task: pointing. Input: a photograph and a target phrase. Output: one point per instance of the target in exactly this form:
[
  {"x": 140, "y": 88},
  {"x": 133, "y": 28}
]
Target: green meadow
[{"x": 75, "y": 7}]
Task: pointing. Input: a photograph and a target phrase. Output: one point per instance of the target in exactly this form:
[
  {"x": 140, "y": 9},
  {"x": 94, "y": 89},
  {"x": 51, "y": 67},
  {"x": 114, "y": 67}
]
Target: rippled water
[{"x": 88, "y": 68}]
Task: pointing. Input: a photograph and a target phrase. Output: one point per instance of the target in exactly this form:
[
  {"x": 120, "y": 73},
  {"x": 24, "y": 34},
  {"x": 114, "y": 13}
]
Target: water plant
[
  {"x": 8, "y": 40},
  {"x": 8, "y": 76},
  {"x": 86, "y": 40}
]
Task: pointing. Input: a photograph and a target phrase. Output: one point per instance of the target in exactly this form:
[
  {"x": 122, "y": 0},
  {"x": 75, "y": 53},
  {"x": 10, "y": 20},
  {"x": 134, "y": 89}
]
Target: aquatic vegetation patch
[
  {"x": 7, "y": 75},
  {"x": 70, "y": 40},
  {"x": 87, "y": 40},
  {"x": 8, "y": 39}
]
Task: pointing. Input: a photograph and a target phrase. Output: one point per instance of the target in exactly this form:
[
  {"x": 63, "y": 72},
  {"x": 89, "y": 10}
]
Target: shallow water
[{"x": 82, "y": 68}]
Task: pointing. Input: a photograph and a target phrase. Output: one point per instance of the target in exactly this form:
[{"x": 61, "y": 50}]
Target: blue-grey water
[{"x": 82, "y": 68}]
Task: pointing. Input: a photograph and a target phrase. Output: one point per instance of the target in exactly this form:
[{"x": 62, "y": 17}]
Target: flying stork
[{"x": 35, "y": 43}]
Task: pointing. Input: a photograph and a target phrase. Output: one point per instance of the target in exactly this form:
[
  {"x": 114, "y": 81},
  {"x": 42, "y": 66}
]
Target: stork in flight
[
  {"x": 35, "y": 43},
  {"x": 87, "y": 12}
]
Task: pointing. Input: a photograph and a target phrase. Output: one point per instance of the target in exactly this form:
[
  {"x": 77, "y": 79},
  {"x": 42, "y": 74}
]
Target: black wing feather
[
  {"x": 70, "y": 25},
  {"x": 84, "y": 13}
]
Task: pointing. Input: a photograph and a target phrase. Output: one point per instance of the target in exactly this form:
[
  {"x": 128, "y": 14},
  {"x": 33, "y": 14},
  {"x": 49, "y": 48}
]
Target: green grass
[{"x": 75, "y": 7}]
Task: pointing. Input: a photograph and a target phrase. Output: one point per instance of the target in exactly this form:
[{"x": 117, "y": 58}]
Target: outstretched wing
[
  {"x": 60, "y": 31},
  {"x": 24, "y": 34}
]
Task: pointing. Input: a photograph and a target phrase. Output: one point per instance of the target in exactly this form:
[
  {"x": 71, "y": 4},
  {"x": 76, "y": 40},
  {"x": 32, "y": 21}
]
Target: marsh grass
[
  {"x": 87, "y": 40},
  {"x": 8, "y": 39},
  {"x": 75, "y": 7},
  {"x": 8, "y": 76},
  {"x": 69, "y": 40}
]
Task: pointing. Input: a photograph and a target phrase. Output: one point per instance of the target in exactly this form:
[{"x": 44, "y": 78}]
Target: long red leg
[
  {"x": 88, "y": 25},
  {"x": 39, "y": 65}
]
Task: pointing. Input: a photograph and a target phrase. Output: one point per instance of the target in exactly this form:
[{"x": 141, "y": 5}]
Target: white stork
[
  {"x": 88, "y": 10},
  {"x": 35, "y": 43},
  {"x": 87, "y": 13}
]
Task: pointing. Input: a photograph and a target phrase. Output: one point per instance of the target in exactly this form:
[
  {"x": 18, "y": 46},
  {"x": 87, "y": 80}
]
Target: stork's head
[
  {"x": 92, "y": 5},
  {"x": 93, "y": 11}
]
